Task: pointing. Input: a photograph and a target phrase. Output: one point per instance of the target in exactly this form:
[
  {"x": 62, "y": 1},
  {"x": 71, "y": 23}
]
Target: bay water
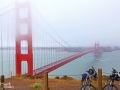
[
  {"x": 75, "y": 68},
  {"x": 106, "y": 62}
]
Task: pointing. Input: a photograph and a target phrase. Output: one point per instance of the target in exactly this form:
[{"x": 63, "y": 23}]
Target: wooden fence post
[
  {"x": 2, "y": 82},
  {"x": 99, "y": 79},
  {"x": 46, "y": 81},
  {"x": 11, "y": 73}
]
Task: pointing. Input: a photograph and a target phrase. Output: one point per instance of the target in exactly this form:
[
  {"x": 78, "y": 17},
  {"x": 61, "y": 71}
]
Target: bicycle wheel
[
  {"x": 88, "y": 87},
  {"x": 109, "y": 87}
]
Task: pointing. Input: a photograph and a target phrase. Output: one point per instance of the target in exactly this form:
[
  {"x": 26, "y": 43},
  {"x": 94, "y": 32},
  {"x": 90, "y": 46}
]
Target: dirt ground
[{"x": 23, "y": 83}]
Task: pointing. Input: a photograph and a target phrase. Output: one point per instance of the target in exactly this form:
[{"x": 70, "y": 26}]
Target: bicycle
[
  {"x": 87, "y": 79},
  {"x": 110, "y": 84}
]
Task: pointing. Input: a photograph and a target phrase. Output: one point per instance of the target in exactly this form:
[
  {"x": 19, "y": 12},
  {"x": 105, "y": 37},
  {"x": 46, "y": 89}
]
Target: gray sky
[{"x": 81, "y": 22}]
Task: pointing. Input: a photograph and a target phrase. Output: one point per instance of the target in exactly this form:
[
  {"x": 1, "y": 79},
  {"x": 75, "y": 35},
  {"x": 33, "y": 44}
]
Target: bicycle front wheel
[
  {"x": 109, "y": 87},
  {"x": 88, "y": 87}
]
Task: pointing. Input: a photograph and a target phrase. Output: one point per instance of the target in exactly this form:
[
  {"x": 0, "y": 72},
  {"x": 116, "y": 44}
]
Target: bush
[
  {"x": 65, "y": 77},
  {"x": 27, "y": 76},
  {"x": 57, "y": 77},
  {"x": 40, "y": 77}
]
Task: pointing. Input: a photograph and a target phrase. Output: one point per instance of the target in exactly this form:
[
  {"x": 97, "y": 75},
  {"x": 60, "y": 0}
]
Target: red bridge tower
[
  {"x": 97, "y": 49},
  {"x": 23, "y": 18}
]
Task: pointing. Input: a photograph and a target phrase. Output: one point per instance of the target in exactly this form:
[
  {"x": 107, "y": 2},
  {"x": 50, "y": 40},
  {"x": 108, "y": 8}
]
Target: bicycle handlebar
[
  {"x": 114, "y": 71},
  {"x": 115, "y": 75},
  {"x": 92, "y": 72}
]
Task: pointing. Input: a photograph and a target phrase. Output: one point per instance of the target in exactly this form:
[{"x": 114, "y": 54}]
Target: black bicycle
[
  {"x": 87, "y": 79},
  {"x": 110, "y": 84}
]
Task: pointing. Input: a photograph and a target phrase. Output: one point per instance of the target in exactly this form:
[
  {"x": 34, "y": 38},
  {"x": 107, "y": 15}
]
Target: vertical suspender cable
[
  {"x": 44, "y": 44},
  {"x": 39, "y": 43},
  {"x": 40, "y": 33},
  {"x": 49, "y": 49},
  {"x": 1, "y": 46},
  {"x": 40, "y": 50},
  {"x": 14, "y": 44},
  {"x": 48, "y": 46},
  {"x": 37, "y": 32},
  {"x": 8, "y": 51},
  {"x": 42, "y": 36},
  {"x": 34, "y": 50},
  {"x": 33, "y": 45},
  {"x": 53, "y": 51},
  {"x": 38, "y": 38},
  {"x": 52, "y": 55}
]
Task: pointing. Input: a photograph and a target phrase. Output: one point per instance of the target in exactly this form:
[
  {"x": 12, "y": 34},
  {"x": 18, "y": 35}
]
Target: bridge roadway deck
[{"x": 52, "y": 66}]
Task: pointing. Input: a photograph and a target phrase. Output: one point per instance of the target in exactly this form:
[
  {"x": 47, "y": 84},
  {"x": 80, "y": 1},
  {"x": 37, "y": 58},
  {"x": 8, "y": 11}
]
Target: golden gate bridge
[{"x": 25, "y": 36}]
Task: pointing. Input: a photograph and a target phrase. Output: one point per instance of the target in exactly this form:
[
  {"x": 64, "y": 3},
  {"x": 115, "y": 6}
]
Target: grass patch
[{"x": 36, "y": 85}]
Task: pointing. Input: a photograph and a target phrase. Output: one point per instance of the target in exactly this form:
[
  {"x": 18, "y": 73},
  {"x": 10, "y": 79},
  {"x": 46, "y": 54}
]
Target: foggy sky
[{"x": 81, "y": 22}]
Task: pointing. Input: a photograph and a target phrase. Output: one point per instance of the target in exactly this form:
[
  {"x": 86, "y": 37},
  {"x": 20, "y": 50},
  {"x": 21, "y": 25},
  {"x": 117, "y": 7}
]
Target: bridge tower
[
  {"x": 23, "y": 18},
  {"x": 97, "y": 49}
]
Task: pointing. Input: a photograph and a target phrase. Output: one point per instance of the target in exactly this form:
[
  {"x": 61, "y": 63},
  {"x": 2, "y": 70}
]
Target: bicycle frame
[
  {"x": 87, "y": 80},
  {"x": 111, "y": 82},
  {"x": 86, "y": 83}
]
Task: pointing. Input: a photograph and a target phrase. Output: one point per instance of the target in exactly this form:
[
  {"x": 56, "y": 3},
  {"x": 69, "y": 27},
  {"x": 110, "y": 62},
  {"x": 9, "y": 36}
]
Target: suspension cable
[
  {"x": 51, "y": 27},
  {"x": 7, "y": 6},
  {"x": 7, "y": 12}
]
